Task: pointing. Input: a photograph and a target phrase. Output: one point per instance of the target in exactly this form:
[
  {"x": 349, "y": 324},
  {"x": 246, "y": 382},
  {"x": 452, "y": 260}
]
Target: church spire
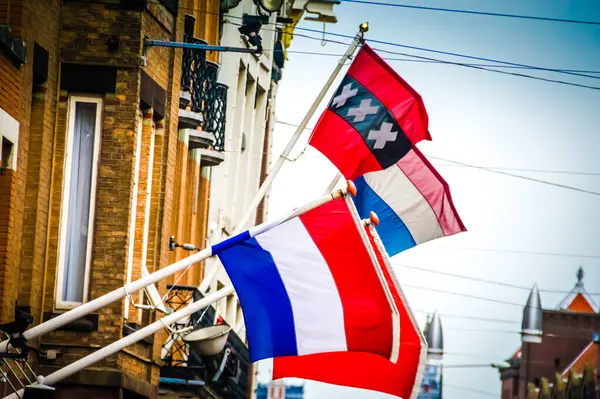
[
  {"x": 435, "y": 337},
  {"x": 578, "y": 300},
  {"x": 533, "y": 317},
  {"x": 580, "y": 275}
]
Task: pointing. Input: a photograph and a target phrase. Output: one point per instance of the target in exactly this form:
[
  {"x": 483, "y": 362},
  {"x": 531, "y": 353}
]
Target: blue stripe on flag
[
  {"x": 393, "y": 232},
  {"x": 230, "y": 242},
  {"x": 266, "y": 306}
]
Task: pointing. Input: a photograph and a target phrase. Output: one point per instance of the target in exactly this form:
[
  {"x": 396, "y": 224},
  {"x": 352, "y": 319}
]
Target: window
[
  {"x": 78, "y": 200},
  {"x": 9, "y": 139},
  {"x": 7, "y": 153}
]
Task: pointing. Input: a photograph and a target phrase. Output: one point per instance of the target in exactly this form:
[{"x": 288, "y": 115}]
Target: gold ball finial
[
  {"x": 364, "y": 27},
  {"x": 351, "y": 187},
  {"x": 374, "y": 218}
]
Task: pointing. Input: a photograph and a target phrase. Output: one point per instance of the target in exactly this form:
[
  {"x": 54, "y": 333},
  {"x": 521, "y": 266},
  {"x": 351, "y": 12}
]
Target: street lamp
[{"x": 270, "y": 6}]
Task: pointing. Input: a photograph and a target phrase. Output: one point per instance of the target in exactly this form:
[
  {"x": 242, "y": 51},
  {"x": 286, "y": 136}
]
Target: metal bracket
[{"x": 196, "y": 46}]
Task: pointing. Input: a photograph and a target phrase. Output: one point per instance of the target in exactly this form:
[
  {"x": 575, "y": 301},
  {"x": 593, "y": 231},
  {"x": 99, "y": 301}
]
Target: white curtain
[{"x": 79, "y": 201}]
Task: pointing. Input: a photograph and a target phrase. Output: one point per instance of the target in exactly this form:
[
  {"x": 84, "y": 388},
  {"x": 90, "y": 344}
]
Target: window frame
[
  {"x": 59, "y": 303},
  {"x": 9, "y": 130}
]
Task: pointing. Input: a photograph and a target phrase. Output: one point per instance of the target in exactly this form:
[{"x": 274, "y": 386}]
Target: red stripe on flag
[
  {"x": 343, "y": 146},
  {"x": 367, "y": 313},
  {"x": 349, "y": 369},
  {"x": 434, "y": 189},
  {"x": 373, "y": 372},
  {"x": 371, "y": 71},
  {"x": 411, "y": 348}
]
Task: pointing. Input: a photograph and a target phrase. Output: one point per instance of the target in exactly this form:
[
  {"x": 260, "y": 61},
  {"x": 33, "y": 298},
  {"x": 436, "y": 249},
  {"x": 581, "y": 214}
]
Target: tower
[{"x": 431, "y": 385}]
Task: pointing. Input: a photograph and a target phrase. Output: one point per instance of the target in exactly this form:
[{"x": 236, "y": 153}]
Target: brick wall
[
  {"x": 7, "y": 256},
  {"x": 41, "y": 140},
  {"x": 31, "y": 197},
  {"x": 87, "y": 27},
  {"x": 11, "y": 12},
  {"x": 10, "y": 76},
  {"x": 29, "y": 20}
]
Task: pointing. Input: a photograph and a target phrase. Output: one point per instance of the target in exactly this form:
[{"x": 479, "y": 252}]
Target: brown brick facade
[{"x": 172, "y": 188}]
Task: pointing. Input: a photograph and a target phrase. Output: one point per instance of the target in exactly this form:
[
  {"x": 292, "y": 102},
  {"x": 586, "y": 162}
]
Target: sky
[{"x": 479, "y": 118}]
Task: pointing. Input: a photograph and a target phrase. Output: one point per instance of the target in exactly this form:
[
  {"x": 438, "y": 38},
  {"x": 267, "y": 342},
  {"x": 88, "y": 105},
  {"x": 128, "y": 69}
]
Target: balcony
[
  {"x": 203, "y": 101},
  {"x": 187, "y": 372}
]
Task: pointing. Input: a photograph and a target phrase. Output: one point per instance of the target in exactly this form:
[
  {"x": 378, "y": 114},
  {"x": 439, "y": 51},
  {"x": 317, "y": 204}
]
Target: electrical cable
[
  {"x": 432, "y": 61},
  {"x": 453, "y": 54},
  {"x": 500, "y": 301},
  {"x": 472, "y": 12},
  {"x": 495, "y": 395},
  {"x": 499, "y": 172},
  {"x": 465, "y": 317},
  {"x": 473, "y": 66},
  {"x": 482, "y": 280},
  {"x": 520, "y": 176},
  {"x": 568, "y": 72},
  {"x": 514, "y": 251}
]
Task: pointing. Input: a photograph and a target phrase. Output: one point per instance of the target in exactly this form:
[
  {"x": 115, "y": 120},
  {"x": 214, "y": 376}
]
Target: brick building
[
  {"x": 566, "y": 362},
  {"x": 106, "y": 164}
]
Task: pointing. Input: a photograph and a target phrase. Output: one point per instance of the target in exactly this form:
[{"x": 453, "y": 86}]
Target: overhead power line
[
  {"x": 495, "y": 395},
  {"x": 482, "y": 280},
  {"x": 472, "y": 66},
  {"x": 473, "y": 12},
  {"x": 432, "y": 61},
  {"x": 565, "y": 71},
  {"x": 494, "y": 171},
  {"x": 465, "y": 317},
  {"x": 519, "y": 176},
  {"x": 514, "y": 251},
  {"x": 453, "y": 54},
  {"x": 501, "y": 301},
  {"x": 558, "y": 172}
]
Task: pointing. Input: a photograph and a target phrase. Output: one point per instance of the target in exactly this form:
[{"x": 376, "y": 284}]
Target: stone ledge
[
  {"x": 189, "y": 119},
  {"x": 185, "y": 98},
  {"x": 104, "y": 378},
  {"x": 200, "y": 139},
  {"x": 211, "y": 157}
]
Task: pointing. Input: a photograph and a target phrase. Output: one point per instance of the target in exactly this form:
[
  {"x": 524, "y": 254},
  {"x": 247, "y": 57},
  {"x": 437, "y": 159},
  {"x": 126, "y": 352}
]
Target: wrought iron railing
[
  {"x": 188, "y": 54},
  {"x": 181, "y": 362},
  {"x": 199, "y": 78},
  {"x": 217, "y": 108}
]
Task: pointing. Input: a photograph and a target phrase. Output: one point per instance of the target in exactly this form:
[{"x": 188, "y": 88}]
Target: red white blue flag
[
  {"x": 313, "y": 285},
  {"x": 412, "y": 200},
  {"x": 373, "y": 120}
]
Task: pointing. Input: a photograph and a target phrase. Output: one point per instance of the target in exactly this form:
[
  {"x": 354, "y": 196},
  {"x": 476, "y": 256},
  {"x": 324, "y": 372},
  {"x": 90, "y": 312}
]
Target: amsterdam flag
[{"x": 373, "y": 119}]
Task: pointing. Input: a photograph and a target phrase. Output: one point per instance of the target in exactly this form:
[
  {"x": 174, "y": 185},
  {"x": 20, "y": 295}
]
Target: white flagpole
[
  {"x": 358, "y": 39},
  {"x": 137, "y": 285},
  {"x": 334, "y": 182},
  {"x": 187, "y": 311},
  {"x": 116, "y": 346}
]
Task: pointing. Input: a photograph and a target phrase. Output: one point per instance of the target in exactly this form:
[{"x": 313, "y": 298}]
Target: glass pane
[{"x": 80, "y": 187}]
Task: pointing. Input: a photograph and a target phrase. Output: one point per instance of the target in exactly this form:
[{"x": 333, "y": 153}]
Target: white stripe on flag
[
  {"x": 402, "y": 196},
  {"x": 316, "y": 303}
]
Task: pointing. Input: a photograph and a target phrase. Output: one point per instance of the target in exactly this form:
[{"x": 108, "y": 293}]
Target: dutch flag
[{"x": 313, "y": 285}]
